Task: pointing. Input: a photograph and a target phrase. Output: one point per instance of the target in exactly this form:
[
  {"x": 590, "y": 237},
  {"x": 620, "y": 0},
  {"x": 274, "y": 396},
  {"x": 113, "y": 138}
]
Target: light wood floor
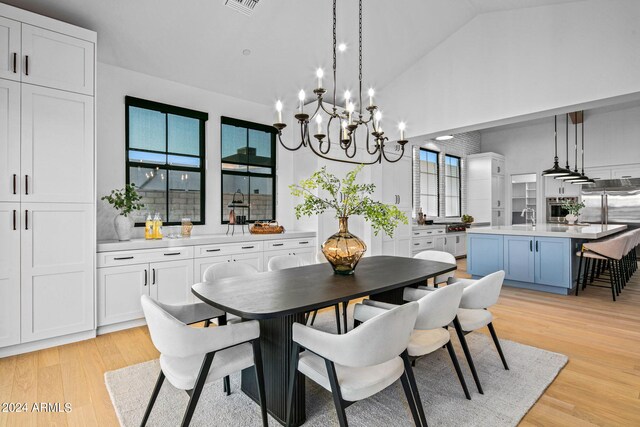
[{"x": 599, "y": 386}]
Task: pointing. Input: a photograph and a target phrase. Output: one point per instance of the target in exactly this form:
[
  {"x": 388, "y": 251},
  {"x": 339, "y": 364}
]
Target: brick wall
[
  {"x": 261, "y": 206},
  {"x": 184, "y": 204}
]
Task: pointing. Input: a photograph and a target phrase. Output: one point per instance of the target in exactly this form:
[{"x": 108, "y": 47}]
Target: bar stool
[{"x": 599, "y": 254}]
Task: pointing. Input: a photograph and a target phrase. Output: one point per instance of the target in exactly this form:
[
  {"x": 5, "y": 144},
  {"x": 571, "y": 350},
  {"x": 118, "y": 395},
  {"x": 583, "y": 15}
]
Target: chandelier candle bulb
[
  {"x": 402, "y": 127},
  {"x": 319, "y": 74},
  {"x": 301, "y": 97},
  {"x": 319, "y": 123},
  {"x": 371, "y": 93},
  {"x": 279, "y": 110},
  {"x": 347, "y": 98}
]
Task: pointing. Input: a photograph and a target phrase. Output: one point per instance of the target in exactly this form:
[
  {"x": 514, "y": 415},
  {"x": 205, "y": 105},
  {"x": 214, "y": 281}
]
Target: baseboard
[
  {"x": 107, "y": 329},
  {"x": 42, "y": 344}
]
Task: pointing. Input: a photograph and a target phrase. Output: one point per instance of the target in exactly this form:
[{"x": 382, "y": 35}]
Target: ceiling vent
[{"x": 243, "y": 6}]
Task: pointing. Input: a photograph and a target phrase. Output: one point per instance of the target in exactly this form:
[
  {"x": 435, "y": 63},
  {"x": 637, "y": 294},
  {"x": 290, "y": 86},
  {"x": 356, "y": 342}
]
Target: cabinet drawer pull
[
  {"x": 213, "y": 250},
  {"x": 122, "y": 258},
  {"x": 429, "y": 232},
  {"x": 172, "y": 254},
  {"x": 248, "y": 247},
  {"x": 416, "y": 244},
  {"x": 26, "y": 219},
  {"x": 146, "y": 277},
  {"x": 303, "y": 243},
  {"x": 530, "y": 245},
  {"x": 153, "y": 280},
  {"x": 278, "y": 244},
  {"x": 26, "y": 65},
  {"x": 416, "y": 234},
  {"x": 15, "y": 183},
  {"x": 26, "y": 185},
  {"x": 14, "y": 220},
  {"x": 15, "y": 62},
  {"x": 536, "y": 246}
]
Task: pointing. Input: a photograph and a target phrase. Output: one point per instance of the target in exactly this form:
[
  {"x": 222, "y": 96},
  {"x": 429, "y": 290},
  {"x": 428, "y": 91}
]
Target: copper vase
[{"x": 343, "y": 250}]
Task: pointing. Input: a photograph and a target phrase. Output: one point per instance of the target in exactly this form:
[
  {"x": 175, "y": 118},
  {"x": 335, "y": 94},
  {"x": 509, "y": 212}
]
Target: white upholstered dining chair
[
  {"x": 360, "y": 363},
  {"x": 191, "y": 357},
  {"x": 438, "y": 256}
]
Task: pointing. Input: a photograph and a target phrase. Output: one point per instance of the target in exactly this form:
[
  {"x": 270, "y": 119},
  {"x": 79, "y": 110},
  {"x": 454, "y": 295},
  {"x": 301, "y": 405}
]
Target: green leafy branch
[
  {"x": 346, "y": 197},
  {"x": 125, "y": 200}
]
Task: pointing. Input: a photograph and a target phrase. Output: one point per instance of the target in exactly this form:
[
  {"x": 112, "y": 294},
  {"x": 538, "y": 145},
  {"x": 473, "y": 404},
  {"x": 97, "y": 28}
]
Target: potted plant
[
  {"x": 467, "y": 219},
  {"x": 343, "y": 250},
  {"x": 125, "y": 201},
  {"x": 574, "y": 209}
]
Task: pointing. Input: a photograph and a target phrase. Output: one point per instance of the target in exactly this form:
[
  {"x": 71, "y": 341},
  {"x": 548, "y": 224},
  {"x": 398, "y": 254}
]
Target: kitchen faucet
[{"x": 524, "y": 213}]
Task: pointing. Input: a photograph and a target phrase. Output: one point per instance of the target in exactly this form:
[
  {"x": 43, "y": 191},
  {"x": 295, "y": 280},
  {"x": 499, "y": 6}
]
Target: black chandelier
[{"x": 375, "y": 138}]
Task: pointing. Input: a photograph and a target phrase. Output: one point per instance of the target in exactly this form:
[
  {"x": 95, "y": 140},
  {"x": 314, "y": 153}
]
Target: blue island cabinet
[
  {"x": 484, "y": 254},
  {"x": 519, "y": 258},
  {"x": 553, "y": 261}
]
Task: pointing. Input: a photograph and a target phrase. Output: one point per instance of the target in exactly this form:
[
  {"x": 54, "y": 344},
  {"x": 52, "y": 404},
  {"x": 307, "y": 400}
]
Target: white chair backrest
[
  {"x": 285, "y": 261},
  {"x": 611, "y": 248},
  {"x": 438, "y": 256},
  {"x": 484, "y": 292},
  {"x": 228, "y": 269},
  {"x": 439, "y": 307},
  {"x": 165, "y": 330},
  {"x": 380, "y": 339}
]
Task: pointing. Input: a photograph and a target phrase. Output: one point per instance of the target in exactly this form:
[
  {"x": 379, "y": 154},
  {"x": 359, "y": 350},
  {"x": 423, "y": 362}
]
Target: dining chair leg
[
  {"x": 257, "y": 362},
  {"x": 497, "y": 343},
  {"x": 414, "y": 386},
  {"x": 207, "y": 323},
  {"x": 197, "y": 389},
  {"x": 595, "y": 266},
  {"x": 456, "y": 365},
  {"x": 226, "y": 385},
  {"x": 345, "y": 304},
  {"x": 338, "y": 321},
  {"x": 613, "y": 283},
  {"x": 335, "y": 392},
  {"x": 467, "y": 353},
  {"x": 313, "y": 318},
  {"x": 152, "y": 400},
  {"x": 578, "y": 279},
  {"x": 293, "y": 372},
  {"x": 409, "y": 394},
  {"x": 585, "y": 274}
]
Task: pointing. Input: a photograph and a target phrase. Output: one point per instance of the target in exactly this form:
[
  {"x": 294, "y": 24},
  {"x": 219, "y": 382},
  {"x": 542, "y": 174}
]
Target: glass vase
[{"x": 343, "y": 250}]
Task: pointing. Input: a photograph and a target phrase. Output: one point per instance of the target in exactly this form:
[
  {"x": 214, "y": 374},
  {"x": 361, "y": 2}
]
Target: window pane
[
  {"x": 184, "y": 195},
  {"x": 452, "y": 186},
  {"x": 234, "y": 167},
  {"x": 428, "y": 184},
  {"x": 230, "y": 184},
  {"x": 261, "y": 198},
  {"x": 429, "y": 205},
  {"x": 452, "y": 206},
  {"x": 234, "y": 144},
  {"x": 174, "y": 160},
  {"x": 151, "y": 185},
  {"x": 184, "y": 135},
  {"x": 258, "y": 169},
  {"x": 260, "y": 148},
  {"x": 147, "y": 129},
  {"x": 144, "y": 157}
]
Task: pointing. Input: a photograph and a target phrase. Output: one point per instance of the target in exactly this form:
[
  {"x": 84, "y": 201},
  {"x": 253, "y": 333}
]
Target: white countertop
[
  {"x": 592, "y": 231},
  {"x": 205, "y": 239}
]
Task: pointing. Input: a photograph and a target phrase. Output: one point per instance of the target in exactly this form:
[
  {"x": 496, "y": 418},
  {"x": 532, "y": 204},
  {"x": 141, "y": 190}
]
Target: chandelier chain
[
  {"x": 360, "y": 53},
  {"x": 334, "y": 55}
]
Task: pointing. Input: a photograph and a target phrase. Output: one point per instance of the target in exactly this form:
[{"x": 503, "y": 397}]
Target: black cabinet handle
[
  {"x": 530, "y": 245},
  {"x": 146, "y": 277},
  {"x": 416, "y": 244},
  {"x": 26, "y": 219},
  {"x": 26, "y": 185},
  {"x": 278, "y": 244},
  {"x": 153, "y": 280},
  {"x": 173, "y": 254},
  {"x": 248, "y": 247},
  {"x": 303, "y": 243},
  {"x": 15, "y": 227},
  {"x": 213, "y": 250},
  {"x": 536, "y": 246},
  {"x": 26, "y": 65},
  {"x": 15, "y": 62},
  {"x": 122, "y": 258},
  {"x": 15, "y": 183}
]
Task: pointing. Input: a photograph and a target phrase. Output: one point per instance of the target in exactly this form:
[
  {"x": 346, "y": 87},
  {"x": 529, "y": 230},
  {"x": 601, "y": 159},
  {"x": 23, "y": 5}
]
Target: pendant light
[
  {"x": 556, "y": 170},
  {"x": 575, "y": 174},
  {"x": 570, "y": 175},
  {"x": 583, "y": 179}
]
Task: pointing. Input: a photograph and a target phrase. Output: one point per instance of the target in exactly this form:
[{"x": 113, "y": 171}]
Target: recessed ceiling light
[
  {"x": 246, "y": 52},
  {"x": 342, "y": 47},
  {"x": 444, "y": 138}
]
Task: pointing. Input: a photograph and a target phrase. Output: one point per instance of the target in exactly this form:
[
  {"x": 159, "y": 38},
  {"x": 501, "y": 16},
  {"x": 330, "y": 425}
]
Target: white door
[
  {"x": 9, "y": 141},
  {"x": 119, "y": 291},
  {"x": 497, "y": 191},
  {"x": 171, "y": 281},
  {"x": 57, "y": 146},
  {"x": 9, "y": 274},
  {"x": 10, "y": 57},
  {"x": 58, "y": 252},
  {"x": 56, "y": 60},
  {"x": 253, "y": 258}
]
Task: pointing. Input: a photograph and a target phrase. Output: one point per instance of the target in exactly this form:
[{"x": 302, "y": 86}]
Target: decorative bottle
[
  {"x": 157, "y": 226},
  {"x": 148, "y": 228}
]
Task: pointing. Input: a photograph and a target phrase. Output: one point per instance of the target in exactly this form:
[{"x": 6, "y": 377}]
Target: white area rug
[{"x": 508, "y": 395}]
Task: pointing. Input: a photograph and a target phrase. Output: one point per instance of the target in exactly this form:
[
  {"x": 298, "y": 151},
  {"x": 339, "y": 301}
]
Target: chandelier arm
[
  {"x": 375, "y": 150},
  {"x": 332, "y": 114},
  {"x": 352, "y": 143},
  {"x": 385, "y": 156},
  {"x": 353, "y": 162},
  {"x": 284, "y": 146}
]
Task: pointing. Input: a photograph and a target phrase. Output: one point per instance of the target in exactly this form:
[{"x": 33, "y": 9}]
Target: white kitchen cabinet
[
  {"x": 439, "y": 243},
  {"x": 308, "y": 255},
  {"x": 10, "y": 56},
  {"x": 397, "y": 182},
  {"x": 200, "y": 265},
  {"x": 57, "y": 60},
  {"x": 252, "y": 258},
  {"x": 497, "y": 217},
  {"x": 9, "y": 141},
  {"x": 558, "y": 188},
  {"x": 485, "y": 186},
  {"x": 171, "y": 281},
  {"x": 497, "y": 192},
  {"x": 57, "y": 254},
  {"x": 119, "y": 292},
  {"x": 450, "y": 244},
  {"x": 622, "y": 172},
  {"x": 9, "y": 274},
  {"x": 57, "y": 146},
  {"x": 497, "y": 166}
]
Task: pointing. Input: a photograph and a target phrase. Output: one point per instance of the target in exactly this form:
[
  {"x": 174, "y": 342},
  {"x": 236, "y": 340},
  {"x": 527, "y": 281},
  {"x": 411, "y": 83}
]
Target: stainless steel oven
[{"x": 555, "y": 211}]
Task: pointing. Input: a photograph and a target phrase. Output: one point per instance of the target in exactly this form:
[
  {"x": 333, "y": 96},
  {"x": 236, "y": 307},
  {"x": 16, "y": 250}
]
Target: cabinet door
[
  {"x": 56, "y": 60},
  {"x": 402, "y": 246},
  {"x": 10, "y": 57},
  {"x": 57, "y": 146},
  {"x": 553, "y": 257},
  {"x": 58, "y": 252},
  {"x": 200, "y": 265},
  {"x": 497, "y": 167},
  {"x": 253, "y": 258},
  {"x": 497, "y": 192},
  {"x": 450, "y": 244},
  {"x": 552, "y": 187},
  {"x": 119, "y": 291},
  {"x": 484, "y": 254},
  {"x": 171, "y": 281},
  {"x": 396, "y": 183},
  {"x": 9, "y": 274},
  {"x": 519, "y": 258},
  {"x": 461, "y": 245},
  {"x": 9, "y": 141},
  {"x": 623, "y": 172},
  {"x": 439, "y": 243},
  {"x": 570, "y": 190},
  {"x": 497, "y": 217}
]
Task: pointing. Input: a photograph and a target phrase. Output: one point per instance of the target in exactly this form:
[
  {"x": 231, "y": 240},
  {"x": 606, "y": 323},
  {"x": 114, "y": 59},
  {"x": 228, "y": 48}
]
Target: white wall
[
  {"x": 514, "y": 63},
  {"x": 115, "y": 83}
]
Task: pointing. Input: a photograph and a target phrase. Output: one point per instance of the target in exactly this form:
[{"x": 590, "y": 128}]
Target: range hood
[{"x": 612, "y": 184}]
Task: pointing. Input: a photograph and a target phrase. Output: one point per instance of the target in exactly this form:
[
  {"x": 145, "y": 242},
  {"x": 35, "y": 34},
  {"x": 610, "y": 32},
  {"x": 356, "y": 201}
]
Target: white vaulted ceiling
[{"x": 200, "y": 42}]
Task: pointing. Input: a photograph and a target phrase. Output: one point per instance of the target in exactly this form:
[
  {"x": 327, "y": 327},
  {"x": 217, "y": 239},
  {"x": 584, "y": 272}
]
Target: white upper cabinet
[
  {"x": 57, "y": 146},
  {"x": 56, "y": 60},
  {"x": 10, "y": 57},
  {"x": 9, "y": 141},
  {"x": 9, "y": 274},
  {"x": 396, "y": 182}
]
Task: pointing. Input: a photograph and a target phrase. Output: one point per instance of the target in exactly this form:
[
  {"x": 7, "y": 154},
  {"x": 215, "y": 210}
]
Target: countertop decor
[{"x": 125, "y": 201}]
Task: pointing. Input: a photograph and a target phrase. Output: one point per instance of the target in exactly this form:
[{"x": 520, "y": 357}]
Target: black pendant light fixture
[
  {"x": 575, "y": 174},
  {"x": 556, "y": 170},
  {"x": 583, "y": 179},
  {"x": 570, "y": 175}
]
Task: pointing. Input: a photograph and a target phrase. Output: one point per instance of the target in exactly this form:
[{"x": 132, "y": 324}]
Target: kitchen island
[{"x": 541, "y": 257}]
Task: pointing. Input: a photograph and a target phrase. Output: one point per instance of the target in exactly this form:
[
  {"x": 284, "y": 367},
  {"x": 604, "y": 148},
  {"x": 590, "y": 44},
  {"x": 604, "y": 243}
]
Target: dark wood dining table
[{"x": 277, "y": 299}]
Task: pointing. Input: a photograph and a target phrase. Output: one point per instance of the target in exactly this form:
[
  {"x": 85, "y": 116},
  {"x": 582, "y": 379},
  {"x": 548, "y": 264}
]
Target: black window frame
[
  {"x": 437, "y": 153},
  {"x": 459, "y": 184},
  {"x": 249, "y": 126},
  {"x": 167, "y": 109}
]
